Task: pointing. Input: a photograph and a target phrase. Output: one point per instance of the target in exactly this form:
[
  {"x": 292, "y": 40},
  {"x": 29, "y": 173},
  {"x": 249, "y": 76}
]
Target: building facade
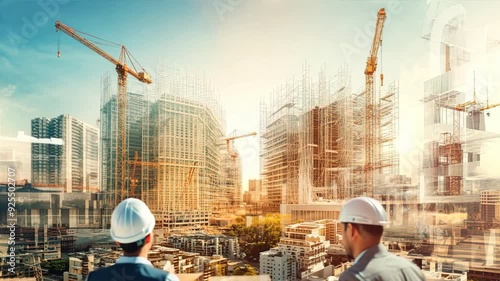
[
  {"x": 72, "y": 167},
  {"x": 207, "y": 245},
  {"x": 307, "y": 244},
  {"x": 278, "y": 265},
  {"x": 490, "y": 205}
]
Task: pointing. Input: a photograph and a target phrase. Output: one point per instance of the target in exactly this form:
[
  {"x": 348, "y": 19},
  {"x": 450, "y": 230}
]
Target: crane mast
[
  {"x": 123, "y": 70},
  {"x": 370, "y": 114}
]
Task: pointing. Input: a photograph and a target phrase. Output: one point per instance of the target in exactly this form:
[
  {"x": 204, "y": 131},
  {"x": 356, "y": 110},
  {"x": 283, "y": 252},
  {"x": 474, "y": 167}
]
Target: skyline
[{"x": 245, "y": 48}]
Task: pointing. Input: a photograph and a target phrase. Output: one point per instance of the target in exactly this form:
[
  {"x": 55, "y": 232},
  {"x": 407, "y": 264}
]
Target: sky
[{"x": 246, "y": 48}]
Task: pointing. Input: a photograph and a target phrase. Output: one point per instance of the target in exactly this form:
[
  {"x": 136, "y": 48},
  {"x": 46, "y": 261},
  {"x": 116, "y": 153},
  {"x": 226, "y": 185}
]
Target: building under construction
[
  {"x": 313, "y": 139},
  {"x": 455, "y": 102},
  {"x": 175, "y": 159}
]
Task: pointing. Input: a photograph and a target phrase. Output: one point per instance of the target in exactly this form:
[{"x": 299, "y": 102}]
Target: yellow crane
[
  {"x": 123, "y": 70},
  {"x": 473, "y": 105},
  {"x": 370, "y": 113},
  {"x": 234, "y": 154},
  {"x": 134, "y": 181}
]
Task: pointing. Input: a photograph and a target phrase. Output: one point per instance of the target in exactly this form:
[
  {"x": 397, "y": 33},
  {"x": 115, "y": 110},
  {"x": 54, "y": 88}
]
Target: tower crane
[
  {"x": 123, "y": 70},
  {"x": 473, "y": 105},
  {"x": 229, "y": 139},
  {"x": 370, "y": 114},
  {"x": 452, "y": 149}
]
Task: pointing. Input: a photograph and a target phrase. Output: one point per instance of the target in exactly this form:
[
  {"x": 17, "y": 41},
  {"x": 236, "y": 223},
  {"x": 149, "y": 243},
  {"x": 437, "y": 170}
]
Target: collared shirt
[
  {"x": 128, "y": 259},
  {"x": 141, "y": 260},
  {"x": 359, "y": 256}
]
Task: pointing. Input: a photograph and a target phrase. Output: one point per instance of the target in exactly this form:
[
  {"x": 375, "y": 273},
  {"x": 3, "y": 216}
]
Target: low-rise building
[
  {"x": 307, "y": 244},
  {"x": 207, "y": 245},
  {"x": 278, "y": 264}
]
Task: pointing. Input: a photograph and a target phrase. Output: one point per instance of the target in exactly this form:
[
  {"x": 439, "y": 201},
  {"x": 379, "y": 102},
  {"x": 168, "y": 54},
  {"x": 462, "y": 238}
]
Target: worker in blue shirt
[
  {"x": 132, "y": 224},
  {"x": 363, "y": 220}
]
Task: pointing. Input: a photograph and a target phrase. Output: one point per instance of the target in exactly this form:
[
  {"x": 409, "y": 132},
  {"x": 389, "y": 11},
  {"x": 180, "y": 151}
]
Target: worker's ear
[
  {"x": 353, "y": 230},
  {"x": 148, "y": 238}
]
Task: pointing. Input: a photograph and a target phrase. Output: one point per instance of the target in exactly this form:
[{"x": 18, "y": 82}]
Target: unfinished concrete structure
[
  {"x": 183, "y": 136},
  {"x": 175, "y": 159},
  {"x": 455, "y": 102},
  {"x": 313, "y": 139}
]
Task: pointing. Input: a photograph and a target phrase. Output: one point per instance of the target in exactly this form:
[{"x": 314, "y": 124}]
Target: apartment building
[
  {"x": 207, "y": 245},
  {"x": 279, "y": 265},
  {"x": 71, "y": 167}
]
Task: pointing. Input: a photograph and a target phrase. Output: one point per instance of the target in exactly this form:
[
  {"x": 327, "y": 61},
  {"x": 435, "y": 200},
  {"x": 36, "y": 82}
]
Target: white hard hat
[
  {"x": 364, "y": 210},
  {"x": 131, "y": 221}
]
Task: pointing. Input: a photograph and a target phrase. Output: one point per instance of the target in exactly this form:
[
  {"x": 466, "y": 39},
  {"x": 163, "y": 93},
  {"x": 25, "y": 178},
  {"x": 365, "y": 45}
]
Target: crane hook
[{"x": 58, "y": 53}]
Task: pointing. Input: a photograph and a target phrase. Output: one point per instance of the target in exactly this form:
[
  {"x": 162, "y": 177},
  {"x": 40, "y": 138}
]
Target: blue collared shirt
[{"x": 141, "y": 260}]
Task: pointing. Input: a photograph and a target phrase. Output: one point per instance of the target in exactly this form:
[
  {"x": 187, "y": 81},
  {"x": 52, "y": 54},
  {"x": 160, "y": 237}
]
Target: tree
[
  {"x": 261, "y": 236},
  {"x": 57, "y": 267},
  {"x": 246, "y": 270}
]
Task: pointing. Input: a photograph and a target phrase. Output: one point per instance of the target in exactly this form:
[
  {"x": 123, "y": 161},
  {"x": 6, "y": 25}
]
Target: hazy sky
[{"x": 246, "y": 48}]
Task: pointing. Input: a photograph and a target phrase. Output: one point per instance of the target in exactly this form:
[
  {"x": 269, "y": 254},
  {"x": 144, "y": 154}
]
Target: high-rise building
[
  {"x": 312, "y": 148},
  {"x": 174, "y": 139},
  {"x": 184, "y": 139},
  {"x": 255, "y": 186},
  {"x": 455, "y": 103},
  {"x": 255, "y": 193},
  {"x": 72, "y": 167},
  {"x": 136, "y": 105},
  {"x": 230, "y": 193}
]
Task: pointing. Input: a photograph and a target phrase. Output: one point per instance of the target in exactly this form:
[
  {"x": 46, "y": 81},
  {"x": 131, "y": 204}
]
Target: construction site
[
  {"x": 177, "y": 157},
  {"x": 326, "y": 135},
  {"x": 313, "y": 140},
  {"x": 321, "y": 138},
  {"x": 166, "y": 145}
]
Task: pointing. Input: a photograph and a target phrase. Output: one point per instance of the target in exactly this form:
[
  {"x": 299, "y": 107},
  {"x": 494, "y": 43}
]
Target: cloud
[
  {"x": 5, "y": 63},
  {"x": 7, "y": 91}
]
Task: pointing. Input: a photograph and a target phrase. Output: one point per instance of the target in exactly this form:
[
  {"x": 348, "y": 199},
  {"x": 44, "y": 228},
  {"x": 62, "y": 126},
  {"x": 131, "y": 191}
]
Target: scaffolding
[
  {"x": 280, "y": 146},
  {"x": 177, "y": 130},
  {"x": 313, "y": 139},
  {"x": 185, "y": 130}
]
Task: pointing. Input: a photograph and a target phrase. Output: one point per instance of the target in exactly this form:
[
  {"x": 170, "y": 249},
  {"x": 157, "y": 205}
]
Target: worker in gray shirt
[{"x": 363, "y": 221}]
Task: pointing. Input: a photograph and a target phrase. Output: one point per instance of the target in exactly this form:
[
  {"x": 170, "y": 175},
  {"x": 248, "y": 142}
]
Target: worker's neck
[
  {"x": 366, "y": 245},
  {"x": 141, "y": 253}
]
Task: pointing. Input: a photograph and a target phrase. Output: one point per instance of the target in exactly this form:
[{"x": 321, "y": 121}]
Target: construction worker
[
  {"x": 363, "y": 220},
  {"x": 132, "y": 224}
]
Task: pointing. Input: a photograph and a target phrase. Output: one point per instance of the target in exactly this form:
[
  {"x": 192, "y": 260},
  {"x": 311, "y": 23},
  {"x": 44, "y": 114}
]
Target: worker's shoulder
[
  {"x": 397, "y": 266},
  {"x": 131, "y": 271},
  {"x": 394, "y": 260},
  {"x": 348, "y": 275}
]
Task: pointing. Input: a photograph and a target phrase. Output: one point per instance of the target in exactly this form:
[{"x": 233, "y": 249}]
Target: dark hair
[
  {"x": 372, "y": 230},
  {"x": 133, "y": 247}
]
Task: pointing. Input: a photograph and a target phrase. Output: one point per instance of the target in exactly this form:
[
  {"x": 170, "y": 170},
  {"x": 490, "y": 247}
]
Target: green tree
[
  {"x": 56, "y": 266},
  {"x": 261, "y": 236},
  {"x": 246, "y": 270}
]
